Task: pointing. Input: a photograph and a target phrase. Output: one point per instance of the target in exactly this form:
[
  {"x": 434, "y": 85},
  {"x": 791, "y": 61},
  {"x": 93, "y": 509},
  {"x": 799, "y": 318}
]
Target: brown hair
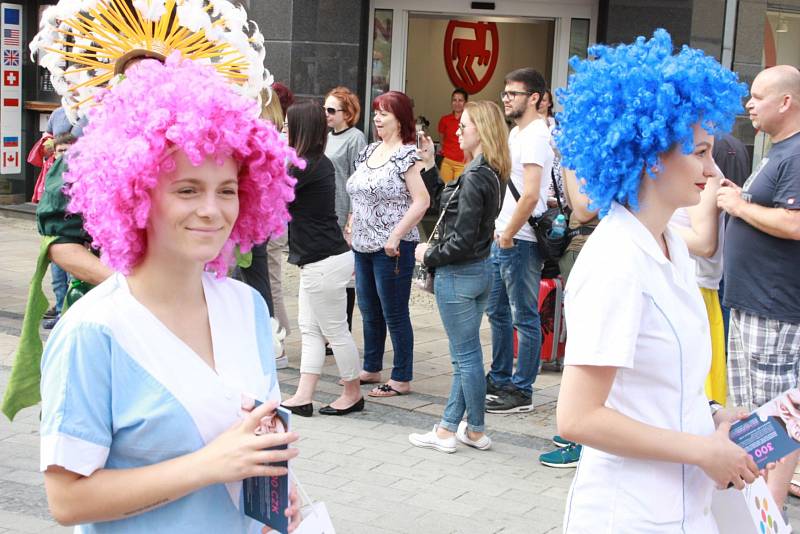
[
  {"x": 351, "y": 108},
  {"x": 308, "y": 131}
]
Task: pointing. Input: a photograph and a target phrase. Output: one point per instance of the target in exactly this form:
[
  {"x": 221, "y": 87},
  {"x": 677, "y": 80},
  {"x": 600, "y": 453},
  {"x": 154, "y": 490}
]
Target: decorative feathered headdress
[{"x": 85, "y": 44}]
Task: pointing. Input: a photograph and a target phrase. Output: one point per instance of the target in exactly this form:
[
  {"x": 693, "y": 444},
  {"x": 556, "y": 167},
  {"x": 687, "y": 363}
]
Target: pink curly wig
[{"x": 128, "y": 143}]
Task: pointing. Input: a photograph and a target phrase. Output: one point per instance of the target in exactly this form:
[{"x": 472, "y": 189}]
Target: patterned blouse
[{"x": 379, "y": 198}]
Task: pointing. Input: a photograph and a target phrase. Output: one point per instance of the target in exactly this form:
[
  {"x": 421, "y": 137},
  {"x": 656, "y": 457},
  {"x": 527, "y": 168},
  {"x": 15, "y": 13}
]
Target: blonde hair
[
  {"x": 271, "y": 108},
  {"x": 493, "y": 133}
]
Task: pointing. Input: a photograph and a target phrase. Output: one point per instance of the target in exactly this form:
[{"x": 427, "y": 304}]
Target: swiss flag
[{"x": 11, "y": 78}]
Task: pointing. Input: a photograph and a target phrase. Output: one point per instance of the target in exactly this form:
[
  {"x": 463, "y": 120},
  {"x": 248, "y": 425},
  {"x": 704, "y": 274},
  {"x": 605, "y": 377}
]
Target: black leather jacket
[{"x": 467, "y": 228}]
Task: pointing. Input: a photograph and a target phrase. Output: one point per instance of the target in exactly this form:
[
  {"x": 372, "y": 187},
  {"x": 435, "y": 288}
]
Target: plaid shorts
[{"x": 763, "y": 358}]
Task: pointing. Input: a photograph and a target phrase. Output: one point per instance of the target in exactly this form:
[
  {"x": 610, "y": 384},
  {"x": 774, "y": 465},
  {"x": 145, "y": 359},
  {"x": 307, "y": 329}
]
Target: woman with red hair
[{"x": 388, "y": 199}]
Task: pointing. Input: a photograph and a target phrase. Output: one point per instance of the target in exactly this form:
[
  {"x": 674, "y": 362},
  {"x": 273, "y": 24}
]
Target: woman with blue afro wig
[{"x": 637, "y": 127}]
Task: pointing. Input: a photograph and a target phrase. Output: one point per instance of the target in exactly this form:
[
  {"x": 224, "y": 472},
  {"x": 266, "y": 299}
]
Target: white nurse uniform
[{"x": 629, "y": 307}]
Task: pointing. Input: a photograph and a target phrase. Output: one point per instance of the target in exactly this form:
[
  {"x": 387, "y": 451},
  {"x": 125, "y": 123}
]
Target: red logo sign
[{"x": 461, "y": 53}]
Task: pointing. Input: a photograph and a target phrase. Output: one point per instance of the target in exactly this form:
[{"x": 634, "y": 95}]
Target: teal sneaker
[
  {"x": 560, "y": 442},
  {"x": 564, "y": 457}
]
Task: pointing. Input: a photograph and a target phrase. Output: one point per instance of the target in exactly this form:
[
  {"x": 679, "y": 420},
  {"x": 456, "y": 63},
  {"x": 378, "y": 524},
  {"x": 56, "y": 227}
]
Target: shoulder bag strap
[
  {"x": 441, "y": 216},
  {"x": 515, "y": 193}
]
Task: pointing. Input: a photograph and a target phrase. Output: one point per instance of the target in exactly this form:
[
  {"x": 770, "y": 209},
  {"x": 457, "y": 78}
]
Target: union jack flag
[
  {"x": 11, "y": 58},
  {"x": 11, "y": 37}
]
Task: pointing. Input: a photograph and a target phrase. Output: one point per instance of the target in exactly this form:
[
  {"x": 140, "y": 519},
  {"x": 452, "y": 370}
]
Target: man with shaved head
[{"x": 762, "y": 255}]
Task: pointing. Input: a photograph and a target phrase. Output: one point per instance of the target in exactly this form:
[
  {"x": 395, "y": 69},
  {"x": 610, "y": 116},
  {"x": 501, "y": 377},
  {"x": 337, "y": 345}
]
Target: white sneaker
[
  {"x": 430, "y": 440},
  {"x": 282, "y": 361},
  {"x": 483, "y": 444}
]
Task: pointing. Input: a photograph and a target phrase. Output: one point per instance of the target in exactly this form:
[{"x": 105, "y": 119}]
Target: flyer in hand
[
  {"x": 267, "y": 498},
  {"x": 772, "y": 431}
]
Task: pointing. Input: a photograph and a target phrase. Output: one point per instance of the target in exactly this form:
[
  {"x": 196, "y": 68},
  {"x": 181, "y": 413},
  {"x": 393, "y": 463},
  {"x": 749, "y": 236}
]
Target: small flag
[
  {"x": 10, "y": 142},
  {"x": 11, "y": 102},
  {"x": 11, "y": 16},
  {"x": 11, "y": 78},
  {"x": 11, "y": 37},
  {"x": 11, "y": 58}
]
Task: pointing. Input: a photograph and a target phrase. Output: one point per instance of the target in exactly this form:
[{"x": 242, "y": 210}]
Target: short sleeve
[
  {"x": 76, "y": 426},
  {"x": 603, "y": 317},
  {"x": 535, "y": 148},
  {"x": 787, "y": 190},
  {"x": 266, "y": 348},
  {"x": 404, "y": 158}
]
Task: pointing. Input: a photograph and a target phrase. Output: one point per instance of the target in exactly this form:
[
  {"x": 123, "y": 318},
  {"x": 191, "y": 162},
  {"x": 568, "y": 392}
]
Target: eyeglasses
[
  {"x": 510, "y": 95},
  {"x": 331, "y": 111},
  {"x": 462, "y": 126}
]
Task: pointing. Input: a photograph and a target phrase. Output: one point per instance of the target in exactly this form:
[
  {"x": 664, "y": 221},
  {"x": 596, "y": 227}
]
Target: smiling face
[
  {"x": 193, "y": 210},
  {"x": 457, "y": 103},
  {"x": 386, "y": 124},
  {"x": 683, "y": 176},
  {"x": 337, "y": 119}
]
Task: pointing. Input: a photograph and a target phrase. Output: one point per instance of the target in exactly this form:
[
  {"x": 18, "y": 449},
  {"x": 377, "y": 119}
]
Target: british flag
[{"x": 11, "y": 58}]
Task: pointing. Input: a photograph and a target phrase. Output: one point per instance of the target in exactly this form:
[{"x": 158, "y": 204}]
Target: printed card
[
  {"x": 772, "y": 431},
  {"x": 267, "y": 498}
]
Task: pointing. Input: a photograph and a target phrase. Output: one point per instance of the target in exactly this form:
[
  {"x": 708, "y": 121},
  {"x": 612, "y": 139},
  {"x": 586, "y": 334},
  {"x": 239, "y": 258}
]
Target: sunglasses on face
[{"x": 331, "y": 111}]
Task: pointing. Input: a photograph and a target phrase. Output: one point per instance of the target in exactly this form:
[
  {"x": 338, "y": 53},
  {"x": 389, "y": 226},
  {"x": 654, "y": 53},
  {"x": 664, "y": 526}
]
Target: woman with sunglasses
[
  {"x": 345, "y": 141},
  {"x": 460, "y": 254},
  {"x": 388, "y": 199}
]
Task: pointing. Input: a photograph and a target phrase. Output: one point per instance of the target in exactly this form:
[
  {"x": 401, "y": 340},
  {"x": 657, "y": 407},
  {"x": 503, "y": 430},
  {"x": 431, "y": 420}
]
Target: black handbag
[
  {"x": 551, "y": 248},
  {"x": 423, "y": 276}
]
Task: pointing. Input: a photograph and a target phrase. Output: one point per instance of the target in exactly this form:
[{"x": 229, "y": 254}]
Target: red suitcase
[{"x": 551, "y": 315}]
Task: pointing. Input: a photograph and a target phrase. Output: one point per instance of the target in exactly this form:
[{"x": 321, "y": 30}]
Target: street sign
[{"x": 11, "y": 88}]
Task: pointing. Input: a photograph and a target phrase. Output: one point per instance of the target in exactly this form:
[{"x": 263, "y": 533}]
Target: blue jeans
[
  {"x": 461, "y": 293},
  {"x": 514, "y": 304},
  {"x": 383, "y": 287},
  {"x": 60, "y": 283}
]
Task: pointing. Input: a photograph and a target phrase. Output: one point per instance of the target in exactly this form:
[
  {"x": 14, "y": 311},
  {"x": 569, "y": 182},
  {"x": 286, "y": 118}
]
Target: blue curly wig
[{"x": 631, "y": 103}]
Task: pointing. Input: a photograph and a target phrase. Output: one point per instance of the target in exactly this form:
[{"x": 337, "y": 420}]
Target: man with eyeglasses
[{"x": 513, "y": 302}]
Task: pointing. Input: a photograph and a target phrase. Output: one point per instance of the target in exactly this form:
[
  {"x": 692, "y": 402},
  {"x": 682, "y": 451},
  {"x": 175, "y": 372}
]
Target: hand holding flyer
[
  {"x": 772, "y": 431},
  {"x": 267, "y": 498}
]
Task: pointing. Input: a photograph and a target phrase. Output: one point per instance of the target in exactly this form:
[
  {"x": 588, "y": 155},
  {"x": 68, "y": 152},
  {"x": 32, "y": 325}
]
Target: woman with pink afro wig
[
  {"x": 131, "y": 139},
  {"x": 148, "y": 418}
]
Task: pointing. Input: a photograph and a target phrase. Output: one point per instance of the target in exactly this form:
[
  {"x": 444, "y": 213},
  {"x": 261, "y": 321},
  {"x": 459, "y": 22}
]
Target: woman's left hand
[
  {"x": 392, "y": 246},
  {"x": 293, "y": 512},
  {"x": 419, "y": 252},
  {"x": 426, "y": 153}
]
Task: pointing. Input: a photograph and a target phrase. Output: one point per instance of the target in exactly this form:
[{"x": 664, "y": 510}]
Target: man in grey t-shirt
[{"x": 762, "y": 251}]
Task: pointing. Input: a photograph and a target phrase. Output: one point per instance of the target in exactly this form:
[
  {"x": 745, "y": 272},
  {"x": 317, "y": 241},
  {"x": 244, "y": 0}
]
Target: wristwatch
[{"x": 715, "y": 407}]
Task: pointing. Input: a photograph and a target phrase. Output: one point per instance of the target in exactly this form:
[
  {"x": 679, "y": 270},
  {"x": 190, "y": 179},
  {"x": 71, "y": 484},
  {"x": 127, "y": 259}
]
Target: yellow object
[
  {"x": 450, "y": 170},
  {"x": 85, "y": 45},
  {"x": 717, "y": 380}
]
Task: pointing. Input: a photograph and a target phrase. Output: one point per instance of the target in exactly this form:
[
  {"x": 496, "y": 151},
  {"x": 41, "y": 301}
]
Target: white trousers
[{"x": 322, "y": 315}]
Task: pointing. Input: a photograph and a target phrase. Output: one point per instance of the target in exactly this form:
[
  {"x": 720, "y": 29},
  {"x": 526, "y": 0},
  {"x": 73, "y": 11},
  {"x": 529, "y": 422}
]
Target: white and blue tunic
[{"x": 120, "y": 390}]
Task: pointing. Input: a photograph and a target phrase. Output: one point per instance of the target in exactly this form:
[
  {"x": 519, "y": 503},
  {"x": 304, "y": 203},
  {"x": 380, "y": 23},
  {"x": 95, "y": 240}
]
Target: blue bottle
[{"x": 559, "y": 227}]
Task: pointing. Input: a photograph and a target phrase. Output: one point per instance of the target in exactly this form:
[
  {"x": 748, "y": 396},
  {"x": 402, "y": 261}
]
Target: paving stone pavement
[{"x": 361, "y": 466}]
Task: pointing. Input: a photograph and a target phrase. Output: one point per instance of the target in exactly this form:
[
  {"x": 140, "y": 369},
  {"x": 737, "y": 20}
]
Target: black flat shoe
[
  {"x": 303, "y": 410},
  {"x": 329, "y": 410}
]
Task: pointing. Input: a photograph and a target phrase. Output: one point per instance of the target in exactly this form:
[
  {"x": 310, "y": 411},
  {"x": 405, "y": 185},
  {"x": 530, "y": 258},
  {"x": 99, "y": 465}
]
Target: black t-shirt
[
  {"x": 314, "y": 232},
  {"x": 761, "y": 270}
]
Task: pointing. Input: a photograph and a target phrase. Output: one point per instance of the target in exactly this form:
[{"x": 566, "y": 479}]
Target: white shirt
[
  {"x": 530, "y": 145},
  {"x": 709, "y": 270},
  {"x": 629, "y": 307}
]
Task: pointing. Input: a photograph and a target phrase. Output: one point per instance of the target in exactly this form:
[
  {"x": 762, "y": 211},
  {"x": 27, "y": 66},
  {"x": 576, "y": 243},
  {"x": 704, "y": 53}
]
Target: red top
[{"x": 448, "y": 125}]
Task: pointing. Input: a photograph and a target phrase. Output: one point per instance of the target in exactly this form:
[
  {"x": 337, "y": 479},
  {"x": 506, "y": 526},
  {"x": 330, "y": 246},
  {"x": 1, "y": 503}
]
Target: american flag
[
  {"x": 11, "y": 58},
  {"x": 11, "y": 37}
]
